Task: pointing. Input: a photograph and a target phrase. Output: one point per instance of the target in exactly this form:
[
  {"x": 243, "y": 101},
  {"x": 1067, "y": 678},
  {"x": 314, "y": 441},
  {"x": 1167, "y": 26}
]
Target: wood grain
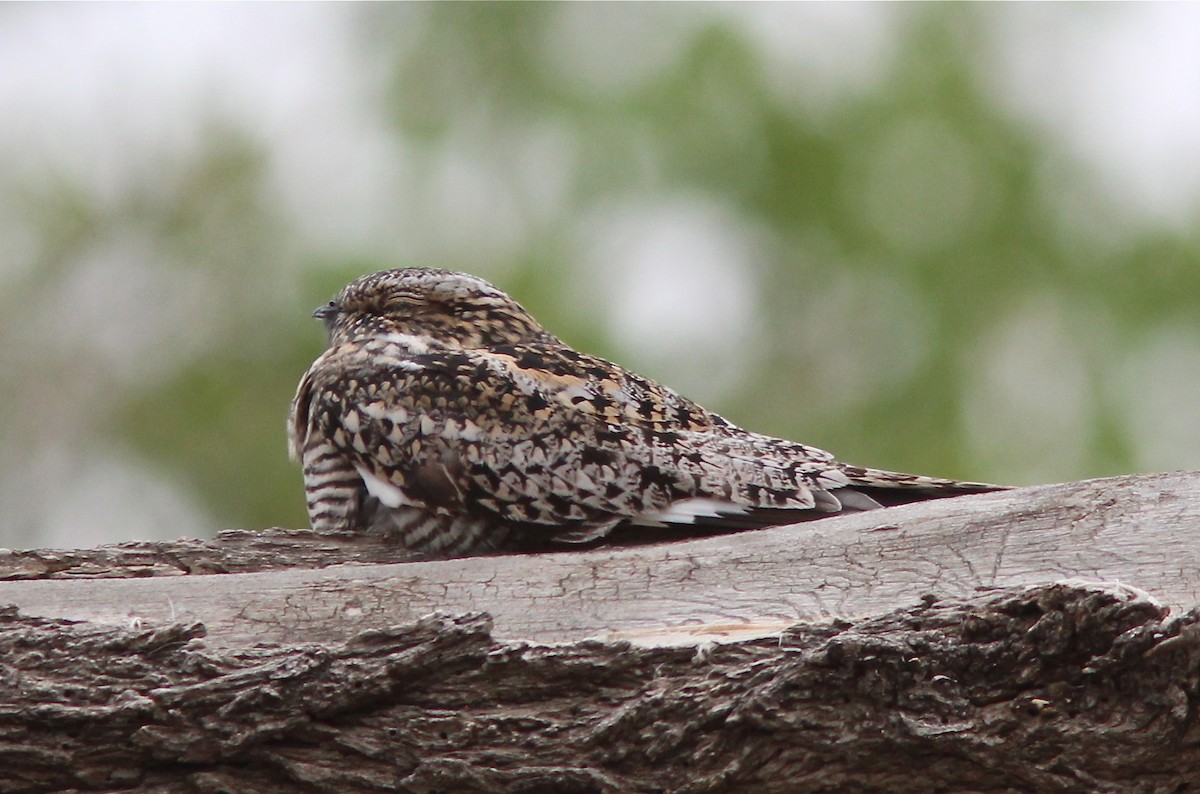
[{"x": 1139, "y": 530}]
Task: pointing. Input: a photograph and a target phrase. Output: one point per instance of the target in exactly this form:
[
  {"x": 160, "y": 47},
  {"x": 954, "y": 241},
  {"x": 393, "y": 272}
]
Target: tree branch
[
  {"x": 1139, "y": 530},
  {"x": 915, "y": 648}
]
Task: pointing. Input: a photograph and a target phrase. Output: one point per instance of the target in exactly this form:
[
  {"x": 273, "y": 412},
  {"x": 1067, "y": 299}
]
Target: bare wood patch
[{"x": 1139, "y": 530}]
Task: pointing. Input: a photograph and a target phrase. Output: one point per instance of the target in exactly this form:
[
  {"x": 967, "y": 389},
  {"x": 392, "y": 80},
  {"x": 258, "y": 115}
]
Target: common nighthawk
[{"x": 446, "y": 416}]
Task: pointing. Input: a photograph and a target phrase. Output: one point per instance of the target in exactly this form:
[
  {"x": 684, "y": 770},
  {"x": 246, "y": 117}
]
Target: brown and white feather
[{"x": 445, "y": 415}]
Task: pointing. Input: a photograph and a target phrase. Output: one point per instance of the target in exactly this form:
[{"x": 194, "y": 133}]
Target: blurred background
[{"x": 948, "y": 239}]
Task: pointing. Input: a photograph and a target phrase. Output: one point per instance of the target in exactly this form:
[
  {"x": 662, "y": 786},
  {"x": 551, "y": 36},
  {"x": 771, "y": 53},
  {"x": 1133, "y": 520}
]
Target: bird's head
[{"x": 452, "y": 309}]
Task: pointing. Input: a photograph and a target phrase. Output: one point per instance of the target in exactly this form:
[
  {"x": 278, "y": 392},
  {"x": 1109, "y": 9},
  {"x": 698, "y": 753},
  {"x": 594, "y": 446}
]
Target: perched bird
[{"x": 445, "y": 415}]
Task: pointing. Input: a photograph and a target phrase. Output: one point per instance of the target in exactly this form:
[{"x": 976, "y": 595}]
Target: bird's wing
[
  {"x": 454, "y": 430},
  {"x": 545, "y": 435}
]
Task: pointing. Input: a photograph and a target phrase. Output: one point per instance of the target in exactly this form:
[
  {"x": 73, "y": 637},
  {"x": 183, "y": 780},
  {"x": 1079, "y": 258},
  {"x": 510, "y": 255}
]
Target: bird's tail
[{"x": 894, "y": 488}]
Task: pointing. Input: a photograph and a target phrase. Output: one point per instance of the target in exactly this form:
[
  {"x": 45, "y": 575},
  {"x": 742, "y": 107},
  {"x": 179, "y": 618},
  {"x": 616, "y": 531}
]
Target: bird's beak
[{"x": 328, "y": 315}]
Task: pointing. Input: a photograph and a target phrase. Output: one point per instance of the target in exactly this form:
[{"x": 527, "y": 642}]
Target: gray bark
[
  {"x": 1059, "y": 688},
  {"x": 920, "y": 648}
]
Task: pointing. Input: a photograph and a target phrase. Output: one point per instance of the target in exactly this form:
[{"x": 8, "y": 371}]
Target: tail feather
[
  {"x": 891, "y": 488},
  {"x": 869, "y": 489}
]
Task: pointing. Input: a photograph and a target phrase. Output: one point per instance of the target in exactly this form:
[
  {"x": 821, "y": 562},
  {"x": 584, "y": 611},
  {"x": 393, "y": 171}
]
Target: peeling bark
[{"x": 233, "y": 551}]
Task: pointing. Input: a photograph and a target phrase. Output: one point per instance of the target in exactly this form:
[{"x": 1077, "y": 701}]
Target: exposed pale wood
[
  {"x": 1141, "y": 530},
  {"x": 1052, "y": 689}
]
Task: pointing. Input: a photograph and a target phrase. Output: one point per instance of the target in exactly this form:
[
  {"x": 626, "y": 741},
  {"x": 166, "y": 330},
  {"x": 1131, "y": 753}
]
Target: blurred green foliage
[{"x": 905, "y": 236}]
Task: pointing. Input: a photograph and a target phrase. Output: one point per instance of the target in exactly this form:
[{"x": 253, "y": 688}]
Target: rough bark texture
[
  {"x": 233, "y": 551},
  {"x": 1058, "y": 688},
  {"x": 290, "y": 676}
]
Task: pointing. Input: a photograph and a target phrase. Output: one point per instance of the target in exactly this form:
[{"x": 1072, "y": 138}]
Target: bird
[{"x": 445, "y": 417}]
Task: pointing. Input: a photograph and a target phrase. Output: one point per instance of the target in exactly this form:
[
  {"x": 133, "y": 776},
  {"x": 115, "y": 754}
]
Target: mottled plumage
[{"x": 445, "y": 415}]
